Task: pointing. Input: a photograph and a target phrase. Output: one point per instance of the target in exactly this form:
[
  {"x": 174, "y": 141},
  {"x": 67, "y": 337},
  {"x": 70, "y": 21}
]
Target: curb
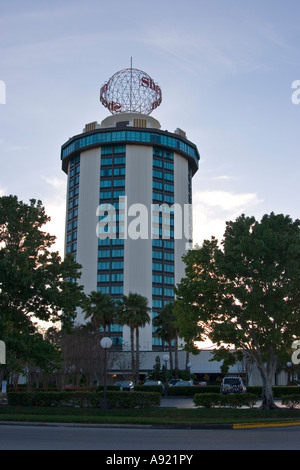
[
  {"x": 153, "y": 426},
  {"x": 266, "y": 425}
]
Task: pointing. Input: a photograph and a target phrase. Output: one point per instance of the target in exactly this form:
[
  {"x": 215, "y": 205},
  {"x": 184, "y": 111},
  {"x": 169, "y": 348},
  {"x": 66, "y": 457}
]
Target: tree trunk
[
  {"x": 267, "y": 394},
  {"x": 132, "y": 350},
  {"x": 267, "y": 371},
  {"x": 176, "y": 356},
  {"x": 137, "y": 356},
  {"x": 171, "y": 355}
]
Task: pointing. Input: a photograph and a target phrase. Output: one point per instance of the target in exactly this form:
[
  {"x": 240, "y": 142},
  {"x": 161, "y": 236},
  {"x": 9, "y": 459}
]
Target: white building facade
[{"x": 128, "y": 215}]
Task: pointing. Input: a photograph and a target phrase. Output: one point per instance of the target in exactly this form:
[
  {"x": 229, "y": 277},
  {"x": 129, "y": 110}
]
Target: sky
[{"x": 226, "y": 69}]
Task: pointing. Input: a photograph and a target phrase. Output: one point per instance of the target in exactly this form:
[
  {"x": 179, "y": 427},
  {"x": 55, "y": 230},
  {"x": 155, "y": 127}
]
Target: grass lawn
[{"x": 152, "y": 416}]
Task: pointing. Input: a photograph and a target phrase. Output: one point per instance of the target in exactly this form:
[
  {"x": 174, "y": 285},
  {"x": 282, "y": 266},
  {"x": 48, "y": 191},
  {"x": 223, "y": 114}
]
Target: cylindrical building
[{"x": 128, "y": 218}]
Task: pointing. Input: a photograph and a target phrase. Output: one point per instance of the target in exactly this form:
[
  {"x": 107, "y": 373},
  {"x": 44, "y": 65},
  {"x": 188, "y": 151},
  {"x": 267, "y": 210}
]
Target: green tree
[
  {"x": 35, "y": 283},
  {"x": 100, "y": 308},
  {"x": 246, "y": 293},
  {"x": 133, "y": 311}
]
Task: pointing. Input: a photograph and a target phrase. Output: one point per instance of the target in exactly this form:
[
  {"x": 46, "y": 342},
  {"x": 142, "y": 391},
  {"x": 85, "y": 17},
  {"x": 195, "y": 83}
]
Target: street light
[
  {"x": 105, "y": 343},
  {"x": 289, "y": 372},
  {"x": 166, "y": 358}
]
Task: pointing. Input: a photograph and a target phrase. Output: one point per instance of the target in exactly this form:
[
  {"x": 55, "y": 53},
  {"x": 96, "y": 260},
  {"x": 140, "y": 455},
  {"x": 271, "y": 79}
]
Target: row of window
[
  {"x": 160, "y": 255},
  {"x": 72, "y": 248},
  {"x": 116, "y": 149},
  {"x": 163, "y": 197},
  {"x": 162, "y": 175},
  {"x": 73, "y": 201},
  {"x": 112, "y": 172},
  {"x": 162, "y": 284},
  {"x": 73, "y": 192},
  {"x": 72, "y": 225},
  {"x": 159, "y": 152},
  {"x": 110, "y": 183},
  {"x": 131, "y": 136},
  {"x": 118, "y": 277},
  {"x": 113, "y": 253},
  {"x": 161, "y": 164},
  {"x": 161, "y": 186},
  {"x": 103, "y": 265},
  {"x": 157, "y": 197},
  {"x": 158, "y": 279},
  {"x": 110, "y": 241},
  {"x": 73, "y": 182},
  {"x": 111, "y": 289},
  {"x": 156, "y": 242},
  {"x": 159, "y": 291},
  {"x": 167, "y": 268},
  {"x": 111, "y": 194},
  {"x": 116, "y": 160}
]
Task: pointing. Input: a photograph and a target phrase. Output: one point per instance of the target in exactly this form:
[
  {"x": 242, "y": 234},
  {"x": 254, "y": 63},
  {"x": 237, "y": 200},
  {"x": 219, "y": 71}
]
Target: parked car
[
  {"x": 184, "y": 383},
  {"x": 125, "y": 385},
  {"x": 173, "y": 382},
  {"x": 153, "y": 382},
  {"x": 232, "y": 384}
]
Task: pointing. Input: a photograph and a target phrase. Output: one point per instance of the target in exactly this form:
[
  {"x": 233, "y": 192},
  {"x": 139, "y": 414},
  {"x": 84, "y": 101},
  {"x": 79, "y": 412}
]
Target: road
[{"x": 69, "y": 437}]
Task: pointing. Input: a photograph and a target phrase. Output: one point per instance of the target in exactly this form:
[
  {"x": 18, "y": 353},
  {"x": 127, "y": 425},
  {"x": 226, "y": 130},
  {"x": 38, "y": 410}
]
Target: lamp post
[
  {"x": 289, "y": 372},
  {"x": 189, "y": 365},
  {"x": 166, "y": 358},
  {"x": 105, "y": 343}
]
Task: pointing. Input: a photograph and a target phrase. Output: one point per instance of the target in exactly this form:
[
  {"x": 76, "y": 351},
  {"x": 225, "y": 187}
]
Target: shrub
[
  {"x": 291, "y": 401},
  {"x": 182, "y": 391},
  {"x": 281, "y": 391},
  {"x": 149, "y": 388},
  {"x": 85, "y": 399},
  {"x": 133, "y": 399},
  {"x": 235, "y": 400},
  {"x": 208, "y": 400}
]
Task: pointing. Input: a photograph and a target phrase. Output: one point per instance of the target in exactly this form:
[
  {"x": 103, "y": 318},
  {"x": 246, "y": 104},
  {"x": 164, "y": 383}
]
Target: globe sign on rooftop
[{"x": 130, "y": 91}]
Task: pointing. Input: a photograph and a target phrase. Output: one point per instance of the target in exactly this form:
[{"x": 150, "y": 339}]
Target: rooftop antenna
[{"x": 130, "y": 83}]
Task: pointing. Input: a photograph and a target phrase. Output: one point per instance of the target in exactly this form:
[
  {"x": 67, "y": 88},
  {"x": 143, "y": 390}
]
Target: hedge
[
  {"x": 291, "y": 401},
  {"x": 85, "y": 399},
  {"x": 210, "y": 400}
]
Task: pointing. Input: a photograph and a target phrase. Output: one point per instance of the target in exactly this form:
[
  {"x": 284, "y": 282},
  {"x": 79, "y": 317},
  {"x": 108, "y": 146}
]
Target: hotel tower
[{"x": 129, "y": 199}]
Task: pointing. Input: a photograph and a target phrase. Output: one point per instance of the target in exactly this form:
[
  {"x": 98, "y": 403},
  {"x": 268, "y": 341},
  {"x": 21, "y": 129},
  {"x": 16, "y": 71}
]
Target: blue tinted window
[
  {"x": 103, "y": 265},
  {"x": 117, "y": 265},
  {"x": 157, "y": 266},
  {"x": 116, "y": 290}
]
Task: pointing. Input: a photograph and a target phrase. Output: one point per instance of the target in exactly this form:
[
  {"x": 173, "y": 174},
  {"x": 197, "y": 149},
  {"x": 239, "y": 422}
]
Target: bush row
[
  {"x": 210, "y": 400},
  {"x": 85, "y": 399},
  {"x": 291, "y": 401},
  {"x": 278, "y": 390}
]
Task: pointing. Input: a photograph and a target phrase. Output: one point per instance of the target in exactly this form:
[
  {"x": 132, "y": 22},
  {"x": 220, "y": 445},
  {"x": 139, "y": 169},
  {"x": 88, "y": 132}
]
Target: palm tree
[
  {"x": 133, "y": 311},
  {"x": 167, "y": 330},
  {"x": 100, "y": 308}
]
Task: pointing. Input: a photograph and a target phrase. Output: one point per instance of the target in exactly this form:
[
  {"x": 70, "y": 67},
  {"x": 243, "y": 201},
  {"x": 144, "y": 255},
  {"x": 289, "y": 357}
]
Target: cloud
[
  {"x": 212, "y": 209},
  {"x": 225, "y": 200}
]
